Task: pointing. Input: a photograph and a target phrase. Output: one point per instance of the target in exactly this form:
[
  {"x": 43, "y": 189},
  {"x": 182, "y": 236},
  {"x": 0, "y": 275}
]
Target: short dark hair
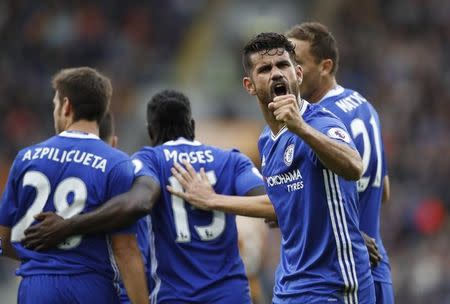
[
  {"x": 169, "y": 116},
  {"x": 323, "y": 44},
  {"x": 89, "y": 92},
  {"x": 106, "y": 127},
  {"x": 263, "y": 43}
]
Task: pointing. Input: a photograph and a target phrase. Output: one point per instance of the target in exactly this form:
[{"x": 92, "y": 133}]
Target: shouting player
[
  {"x": 309, "y": 163},
  {"x": 194, "y": 253},
  {"x": 72, "y": 173},
  {"x": 317, "y": 53}
]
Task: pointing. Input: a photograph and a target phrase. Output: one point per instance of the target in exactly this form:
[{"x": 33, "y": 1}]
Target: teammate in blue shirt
[
  {"x": 107, "y": 134},
  {"x": 194, "y": 253},
  {"x": 71, "y": 173},
  {"x": 317, "y": 53},
  {"x": 309, "y": 164}
]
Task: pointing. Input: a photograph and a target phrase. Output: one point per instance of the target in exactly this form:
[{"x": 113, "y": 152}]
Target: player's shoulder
[
  {"x": 315, "y": 112},
  {"x": 223, "y": 153},
  {"x": 31, "y": 148},
  {"x": 265, "y": 135},
  {"x": 145, "y": 150},
  {"x": 346, "y": 101}
]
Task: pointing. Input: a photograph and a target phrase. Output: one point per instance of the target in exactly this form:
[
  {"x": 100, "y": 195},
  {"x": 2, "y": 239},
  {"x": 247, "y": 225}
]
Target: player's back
[
  {"x": 196, "y": 257},
  {"x": 361, "y": 119},
  {"x": 70, "y": 173}
]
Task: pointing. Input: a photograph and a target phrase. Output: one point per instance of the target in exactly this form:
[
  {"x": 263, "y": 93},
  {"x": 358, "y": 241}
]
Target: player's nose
[{"x": 276, "y": 75}]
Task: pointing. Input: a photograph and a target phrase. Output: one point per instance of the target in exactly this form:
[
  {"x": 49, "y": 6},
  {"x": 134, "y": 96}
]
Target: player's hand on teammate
[
  {"x": 48, "y": 233},
  {"x": 286, "y": 109},
  {"x": 374, "y": 254},
  {"x": 197, "y": 188}
]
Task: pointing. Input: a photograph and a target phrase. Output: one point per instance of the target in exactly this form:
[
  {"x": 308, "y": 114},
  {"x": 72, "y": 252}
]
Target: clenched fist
[{"x": 286, "y": 109}]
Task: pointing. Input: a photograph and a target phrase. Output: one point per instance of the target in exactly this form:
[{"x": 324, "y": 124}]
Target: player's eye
[
  {"x": 264, "y": 69},
  {"x": 284, "y": 64}
]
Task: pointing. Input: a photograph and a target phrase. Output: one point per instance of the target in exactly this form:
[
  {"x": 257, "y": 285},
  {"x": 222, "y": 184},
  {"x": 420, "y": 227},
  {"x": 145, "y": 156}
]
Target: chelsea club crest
[{"x": 289, "y": 155}]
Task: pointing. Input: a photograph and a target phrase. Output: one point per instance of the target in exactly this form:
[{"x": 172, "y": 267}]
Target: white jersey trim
[
  {"x": 282, "y": 130},
  {"x": 333, "y": 92},
  {"x": 153, "y": 262},
  {"x": 76, "y": 134},
  {"x": 343, "y": 242},
  {"x": 114, "y": 266},
  {"x": 303, "y": 106},
  {"x": 182, "y": 141}
]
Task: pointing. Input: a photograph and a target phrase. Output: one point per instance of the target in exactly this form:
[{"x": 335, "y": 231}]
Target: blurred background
[{"x": 394, "y": 52}]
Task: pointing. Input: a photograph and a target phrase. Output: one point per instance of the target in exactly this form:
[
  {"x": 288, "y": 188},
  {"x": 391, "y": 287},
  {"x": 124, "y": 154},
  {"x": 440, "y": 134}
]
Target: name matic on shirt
[
  {"x": 351, "y": 102},
  {"x": 293, "y": 179},
  {"x": 67, "y": 156}
]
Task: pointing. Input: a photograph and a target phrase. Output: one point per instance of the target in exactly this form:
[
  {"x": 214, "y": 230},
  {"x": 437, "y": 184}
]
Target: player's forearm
[
  {"x": 338, "y": 157},
  {"x": 120, "y": 211},
  {"x": 253, "y": 206},
  {"x": 10, "y": 253},
  {"x": 131, "y": 267},
  {"x": 6, "y": 248}
]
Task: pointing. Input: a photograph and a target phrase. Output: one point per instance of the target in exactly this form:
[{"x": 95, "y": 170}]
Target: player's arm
[
  {"x": 336, "y": 156},
  {"x": 386, "y": 189},
  {"x": 8, "y": 211},
  {"x": 120, "y": 211},
  {"x": 6, "y": 248},
  {"x": 131, "y": 266},
  {"x": 198, "y": 192}
]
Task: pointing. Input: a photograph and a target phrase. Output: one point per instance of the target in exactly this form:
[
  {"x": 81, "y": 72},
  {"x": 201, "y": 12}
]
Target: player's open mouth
[{"x": 279, "y": 89}]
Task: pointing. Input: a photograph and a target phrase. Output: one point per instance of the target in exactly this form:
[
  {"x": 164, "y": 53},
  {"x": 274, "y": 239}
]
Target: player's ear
[
  {"x": 114, "y": 141},
  {"x": 193, "y": 128},
  {"x": 150, "y": 133},
  {"x": 299, "y": 72},
  {"x": 66, "y": 106},
  {"x": 327, "y": 66},
  {"x": 248, "y": 85}
]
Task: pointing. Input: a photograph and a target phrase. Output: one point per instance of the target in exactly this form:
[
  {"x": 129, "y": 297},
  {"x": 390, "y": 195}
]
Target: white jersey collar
[
  {"x": 333, "y": 92},
  {"x": 78, "y": 134},
  {"x": 182, "y": 141}
]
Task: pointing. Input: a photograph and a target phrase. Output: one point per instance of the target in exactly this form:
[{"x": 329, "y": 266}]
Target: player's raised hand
[
  {"x": 47, "y": 234},
  {"x": 285, "y": 108},
  {"x": 197, "y": 188}
]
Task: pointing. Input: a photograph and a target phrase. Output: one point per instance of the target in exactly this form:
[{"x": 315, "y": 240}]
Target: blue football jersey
[
  {"x": 69, "y": 174},
  {"x": 361, "y": 119},
  {"x": 194, "y": 253},
  {"x": 323, "y": 255}
]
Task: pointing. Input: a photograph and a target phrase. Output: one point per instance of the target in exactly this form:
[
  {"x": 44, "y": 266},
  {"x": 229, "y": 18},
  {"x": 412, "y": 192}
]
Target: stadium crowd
[{"x": 394, "y": 52}]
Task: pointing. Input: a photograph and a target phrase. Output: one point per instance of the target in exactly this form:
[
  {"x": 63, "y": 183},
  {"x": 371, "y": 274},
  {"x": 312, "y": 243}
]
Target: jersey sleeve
[
  {"x": 120, "y": 181},
  {"x": 145, "y": 164},
  {"x": 334, "y": 128},
  {"x": 8, "y": 203},
  {"x": 330, "y": 125},
  {"x": 246, "y": 175}
]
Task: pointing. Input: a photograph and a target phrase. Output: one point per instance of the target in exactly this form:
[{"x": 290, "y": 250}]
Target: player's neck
[
  {"x": 274, "y": 125},
  {"x": 327, "y": 85},
  {"x": 84, "y": 126}
]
